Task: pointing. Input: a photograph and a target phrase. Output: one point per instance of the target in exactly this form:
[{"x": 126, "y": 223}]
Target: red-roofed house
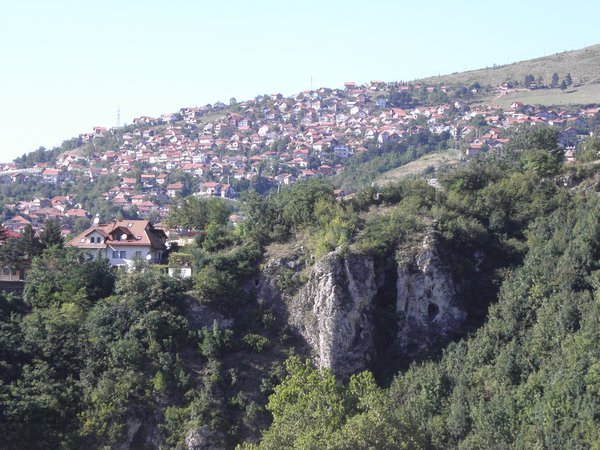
[{"x": 123, "y": 241}]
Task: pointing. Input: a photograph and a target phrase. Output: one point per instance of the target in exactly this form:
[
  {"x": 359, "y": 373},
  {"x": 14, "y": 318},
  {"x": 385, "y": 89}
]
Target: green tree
[
  {"x": 555, "y": 80},
  {"x": 216, "y": 237},
  {"x": 589, "y": 150},
  {"x": 568, "y": 80},
  {"x": 400, "y": 99},
  {"x": 3, "y": 233},
  {"x": 545, "y": 138},
  {"x": 65, "y": 275},
  {"x": 307, "y": 407},
  {"x": 196, "y": 213},
  {"x": 30, "y": 245},
  {"x": 539, "y": 81},
  {"x": 541, "y": 162},
  {"x": 51, "y": 235}
]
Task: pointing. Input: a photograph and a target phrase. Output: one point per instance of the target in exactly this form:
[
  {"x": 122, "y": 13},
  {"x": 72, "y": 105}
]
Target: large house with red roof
[{"x": 122, "y": 242}]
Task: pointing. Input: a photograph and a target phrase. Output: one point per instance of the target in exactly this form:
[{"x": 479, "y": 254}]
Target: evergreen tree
[
  {"x": 555, "y": 80},
  {"x": 540, "y": 81},
  {"x": 3, "y": 232},
  {"x": 568, "y": 80},
  {"x": 50, "y": 235},
  {"x": 30, "y": 245}
]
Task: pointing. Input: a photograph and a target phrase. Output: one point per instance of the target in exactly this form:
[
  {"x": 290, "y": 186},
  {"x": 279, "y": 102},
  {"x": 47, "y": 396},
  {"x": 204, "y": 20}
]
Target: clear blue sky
[{"x": 67, "y": 65}]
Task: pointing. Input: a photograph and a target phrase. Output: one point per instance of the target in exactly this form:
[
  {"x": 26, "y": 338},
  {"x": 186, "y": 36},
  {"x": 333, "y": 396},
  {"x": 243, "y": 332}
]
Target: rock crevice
[{"x": 335, "y": 310}]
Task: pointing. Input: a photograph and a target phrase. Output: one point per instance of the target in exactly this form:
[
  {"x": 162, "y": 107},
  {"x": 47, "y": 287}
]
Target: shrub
[{"x": 256, "y": 342}]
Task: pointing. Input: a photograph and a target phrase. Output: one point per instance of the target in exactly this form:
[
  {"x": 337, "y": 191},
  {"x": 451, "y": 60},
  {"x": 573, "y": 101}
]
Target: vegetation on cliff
[{"x": 90, "y": 357}]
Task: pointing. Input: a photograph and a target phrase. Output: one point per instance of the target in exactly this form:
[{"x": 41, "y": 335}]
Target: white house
[{"x": 123, "y": 241}]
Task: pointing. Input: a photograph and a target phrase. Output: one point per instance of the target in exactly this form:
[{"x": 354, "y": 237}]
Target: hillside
[
  {"x": 583, "y": 65},
  {"x": 435, "y": 318},
  {"x": 352, "y": 135},
  {"x": 427, "y": 164},
  {"x": 580, "y": 95}
]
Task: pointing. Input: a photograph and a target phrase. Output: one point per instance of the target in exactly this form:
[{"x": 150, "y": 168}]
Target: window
[
  {"x": 5, "y": 271},
  {"x": 138, "y": 254},
  {"x": 123, "y": 254},
  {"x": 115, "y": 254}
]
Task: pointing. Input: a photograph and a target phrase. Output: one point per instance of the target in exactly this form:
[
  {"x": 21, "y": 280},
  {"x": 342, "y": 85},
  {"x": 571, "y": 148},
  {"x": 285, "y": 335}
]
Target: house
[
  {"x": 148, "y": 180},
  {"x": 122, "y": 242},
  {"x": 210, "y": 189},
  {"x": 174, "y": 188},
  {"x": 286, "y": 179},
  {"x": 10, "y": 273},
  {"x": 568, "y": 137},
  {"x": 51, "y": 175},
  {"x": 341, "y": 151},
  {"x": 76, "y": 213},
  {"x": 16, "y": 223},
  {"x": 227, "y": 191},
  {"x": 161, "y": 179}
]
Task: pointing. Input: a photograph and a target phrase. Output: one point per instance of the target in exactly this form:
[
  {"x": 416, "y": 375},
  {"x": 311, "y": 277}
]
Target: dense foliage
[
  {"x": 364, "y": 168},
  {"x": 527, "y": 378},
  {"x": 95, "y": 357}
]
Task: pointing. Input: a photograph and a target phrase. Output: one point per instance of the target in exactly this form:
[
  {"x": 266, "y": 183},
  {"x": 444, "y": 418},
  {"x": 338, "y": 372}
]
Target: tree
[
  {"x": 568, "y": 80},
  {"x": 51, "y": 235},
  {"x": 216, "y": 237},
  {"x": 3, "y": 232},
  {"x": 563, "y": 85},
  {"x": 307, "y": 407},
  {"x": 196, "y": 213},
  {"x": 311, "y": 409},
  {"x": 555, "y": 79},
  {"x": 541, "y": 162},
  {"x": 589, "y": 150},
  {"x": 30, "y": 245},
  {"x": 64, "y": 276},
  {"x": 545, "y": 138},
  {"x": 540, "y": 81},
  {"x": 529, "y": 80},
  {"x": 401, "y": 99}
]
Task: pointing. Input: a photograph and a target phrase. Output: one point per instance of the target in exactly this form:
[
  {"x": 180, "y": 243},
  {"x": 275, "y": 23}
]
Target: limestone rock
[
  {"x": 426, "y": 301},
  {"x": 332, "y": 312},
  {"x": 204, "y": 438}
]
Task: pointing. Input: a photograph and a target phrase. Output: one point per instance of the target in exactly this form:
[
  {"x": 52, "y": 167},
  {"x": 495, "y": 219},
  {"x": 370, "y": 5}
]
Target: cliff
[
  {"x": 353, "y": 307},
  {"x": 426, "y": 301}
]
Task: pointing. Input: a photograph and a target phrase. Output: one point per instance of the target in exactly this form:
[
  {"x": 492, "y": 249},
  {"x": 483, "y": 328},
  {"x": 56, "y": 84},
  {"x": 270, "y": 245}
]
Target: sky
[{"x": 67, "y": 66}]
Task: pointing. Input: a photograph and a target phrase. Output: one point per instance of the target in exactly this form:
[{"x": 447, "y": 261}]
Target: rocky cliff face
[
  {"x": 333, "y": 311},
  {"x": 426, "y": 301},
  {"x": 337, "y": 310}
]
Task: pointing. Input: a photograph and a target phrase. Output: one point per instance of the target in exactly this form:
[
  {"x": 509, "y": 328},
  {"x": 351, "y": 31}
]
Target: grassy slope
[
  {"x": 582, "y": 64},
  {"x": 436, "y": 160},
  {"x": 580, "y": 95}
]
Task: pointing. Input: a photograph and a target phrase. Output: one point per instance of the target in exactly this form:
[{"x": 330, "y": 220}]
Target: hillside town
[{"x": 219, "y": 150}]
